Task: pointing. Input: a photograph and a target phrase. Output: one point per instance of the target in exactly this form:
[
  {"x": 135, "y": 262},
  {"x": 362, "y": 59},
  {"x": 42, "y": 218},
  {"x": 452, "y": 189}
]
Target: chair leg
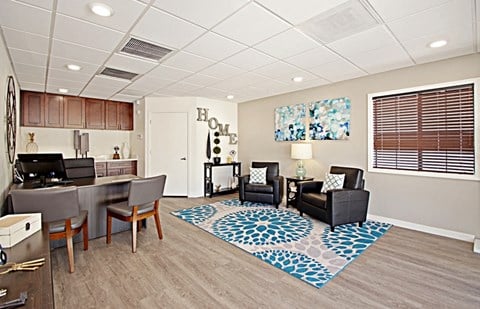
[
  {"x": 85, "y": 234},
  {"x": 158, "y": 225},
  {"x": 68, "y": 233},
  {"x": 332, "y": 228},
  {"x": 134, "y": 236},
  {"x": 109, "y": 228},
  {"x": 360, "y": 224}
]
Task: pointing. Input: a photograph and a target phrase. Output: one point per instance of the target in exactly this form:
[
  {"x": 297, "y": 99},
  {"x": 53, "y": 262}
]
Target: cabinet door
[
  {"x": 126, "y": 116},
  {"x": 32, "y": 109},
  {"x": 94, "y": 114},
  {"x": 112, "y": 113},
  {"x": 73, "y": 112},
  {"x": 53, "y": 111}
]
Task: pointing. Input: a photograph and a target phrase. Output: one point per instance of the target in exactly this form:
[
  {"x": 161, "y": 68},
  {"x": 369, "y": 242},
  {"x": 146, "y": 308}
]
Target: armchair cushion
[
  {"x": 332, "y": 182},
  {"x": 258, "y": 175}
]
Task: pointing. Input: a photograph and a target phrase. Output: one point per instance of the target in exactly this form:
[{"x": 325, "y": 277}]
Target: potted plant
[{"x": 216, "y": 148}]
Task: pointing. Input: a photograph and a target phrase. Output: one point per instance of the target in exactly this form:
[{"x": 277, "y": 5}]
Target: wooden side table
[{"x": 292, "y": 188}]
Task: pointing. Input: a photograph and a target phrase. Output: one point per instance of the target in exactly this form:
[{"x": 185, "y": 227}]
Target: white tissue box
[{"x": 15, "y": 228}]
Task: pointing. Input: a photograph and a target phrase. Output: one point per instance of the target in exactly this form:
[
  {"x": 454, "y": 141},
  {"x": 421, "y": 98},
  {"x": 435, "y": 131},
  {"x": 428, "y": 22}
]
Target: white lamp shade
[{"x": 301, "y": 151}]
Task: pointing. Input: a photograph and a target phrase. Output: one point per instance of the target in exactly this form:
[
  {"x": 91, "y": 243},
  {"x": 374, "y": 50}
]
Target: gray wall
[{"x": 452, "y": 205}]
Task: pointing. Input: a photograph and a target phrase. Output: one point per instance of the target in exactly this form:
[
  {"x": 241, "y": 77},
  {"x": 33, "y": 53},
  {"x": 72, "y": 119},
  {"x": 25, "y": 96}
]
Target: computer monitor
[{"x": 41, "y": 167}]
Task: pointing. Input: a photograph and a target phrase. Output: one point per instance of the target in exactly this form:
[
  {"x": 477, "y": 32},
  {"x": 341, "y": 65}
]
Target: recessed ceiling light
[
  {"x": 297, "y": 79},
  {"x": 62, "y": 90},
  {"x": 74, "y": 67},
  {"x": 438, "y": 44},
  {"x": 230, "y": 96},
  {"x": 101, "y": 9}
]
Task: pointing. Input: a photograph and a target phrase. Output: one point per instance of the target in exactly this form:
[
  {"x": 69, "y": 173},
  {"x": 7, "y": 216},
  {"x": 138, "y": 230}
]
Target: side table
[{"x": 292, "y": 188}]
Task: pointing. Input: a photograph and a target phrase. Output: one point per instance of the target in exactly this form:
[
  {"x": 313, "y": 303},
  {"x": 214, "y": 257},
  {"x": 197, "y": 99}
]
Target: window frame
[{"x": 476, "y": 142}]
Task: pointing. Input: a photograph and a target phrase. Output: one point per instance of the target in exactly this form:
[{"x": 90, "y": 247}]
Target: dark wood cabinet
[
  {"x": 94, "y": 114},
  {"x": 32, "y": 109},
  {"x": 53, "y": 111},
  {"x": 116, "y": 168},
  {"x": 40, "y": 109},
  {"x": 73, "y": 112}
]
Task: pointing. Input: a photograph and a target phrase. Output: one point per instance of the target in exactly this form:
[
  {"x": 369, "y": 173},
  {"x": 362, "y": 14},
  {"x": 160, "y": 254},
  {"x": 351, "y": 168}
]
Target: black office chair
[
  {"x": 60, "y": 208},
  {"x": 143, "y": 202},
  {"x": 79, "y": 168}
]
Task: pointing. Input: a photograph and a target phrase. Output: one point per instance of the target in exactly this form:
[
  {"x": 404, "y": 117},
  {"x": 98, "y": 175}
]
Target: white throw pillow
[
  {"x": 258, "y": 175},
  {"x": 332, "y": 182}
]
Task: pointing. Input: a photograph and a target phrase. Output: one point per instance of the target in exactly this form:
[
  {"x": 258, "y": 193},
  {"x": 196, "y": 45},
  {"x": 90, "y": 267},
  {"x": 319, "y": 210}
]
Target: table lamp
[{"x": 301, "y": 152}]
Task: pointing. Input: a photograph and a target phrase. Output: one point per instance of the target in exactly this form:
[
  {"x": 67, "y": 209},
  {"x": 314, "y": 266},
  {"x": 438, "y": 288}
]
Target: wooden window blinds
[{"x": 429, "y": 130}]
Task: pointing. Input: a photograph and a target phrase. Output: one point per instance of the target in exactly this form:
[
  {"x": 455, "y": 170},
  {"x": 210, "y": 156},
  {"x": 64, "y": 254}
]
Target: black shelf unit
[{"x": 208, "y": 168}]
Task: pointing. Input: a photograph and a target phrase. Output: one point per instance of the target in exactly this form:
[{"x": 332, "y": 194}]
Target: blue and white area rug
[{"x": 301, "y": 246}]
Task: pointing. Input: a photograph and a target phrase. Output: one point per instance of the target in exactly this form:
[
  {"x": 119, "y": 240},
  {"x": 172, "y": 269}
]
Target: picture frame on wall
[{"x": 290, "y": 123}]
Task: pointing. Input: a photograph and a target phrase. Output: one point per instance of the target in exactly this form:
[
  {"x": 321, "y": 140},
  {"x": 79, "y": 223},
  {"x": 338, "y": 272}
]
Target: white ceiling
[{"x": 251, "y": 49}]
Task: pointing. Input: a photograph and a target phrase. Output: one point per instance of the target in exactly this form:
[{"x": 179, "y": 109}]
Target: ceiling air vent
[
  {"x": 118, "y": 73},
  {"x": 144, "y": 49}
]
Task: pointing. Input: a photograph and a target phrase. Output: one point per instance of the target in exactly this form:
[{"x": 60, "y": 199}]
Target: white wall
[
  {"x": 225, "y": 112},
  {"x": 447, "y": 204},
  {"x": 6, "y": 69}
]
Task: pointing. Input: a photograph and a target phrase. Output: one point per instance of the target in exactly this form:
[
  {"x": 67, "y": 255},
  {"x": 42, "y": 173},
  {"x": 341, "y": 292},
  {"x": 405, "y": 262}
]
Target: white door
[{"x": 168, "y": 150}]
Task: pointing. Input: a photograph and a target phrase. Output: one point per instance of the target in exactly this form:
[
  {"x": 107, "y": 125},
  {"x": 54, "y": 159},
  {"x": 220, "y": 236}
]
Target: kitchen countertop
[{"x": 114, "y": 160}]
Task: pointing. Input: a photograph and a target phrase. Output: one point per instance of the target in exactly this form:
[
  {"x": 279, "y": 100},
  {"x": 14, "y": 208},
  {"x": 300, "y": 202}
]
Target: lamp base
[{"x": 301, "y": 171}]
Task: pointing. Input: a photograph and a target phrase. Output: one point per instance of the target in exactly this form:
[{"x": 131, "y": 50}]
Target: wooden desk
[{"x": 38, "y": 284}]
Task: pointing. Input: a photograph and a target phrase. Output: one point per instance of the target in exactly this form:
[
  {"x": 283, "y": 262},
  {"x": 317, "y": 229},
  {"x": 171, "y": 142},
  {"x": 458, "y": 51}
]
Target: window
[{"x": 424, "y": 131}]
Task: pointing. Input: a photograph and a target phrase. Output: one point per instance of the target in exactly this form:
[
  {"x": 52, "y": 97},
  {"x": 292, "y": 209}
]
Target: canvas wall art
[
  {"x": 329, "y": 119},
  {"x": 290, "y": 123}
]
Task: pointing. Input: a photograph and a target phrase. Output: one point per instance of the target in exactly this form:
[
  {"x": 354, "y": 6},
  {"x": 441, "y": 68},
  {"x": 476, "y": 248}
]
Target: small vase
[
  {"x": 216, "y": 160},
  {"x": 32, "y": 147},
  {"x": 125, "y": 151}
]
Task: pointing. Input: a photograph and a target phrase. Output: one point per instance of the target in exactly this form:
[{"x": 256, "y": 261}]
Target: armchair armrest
[
  {"x": 347, "y": 205},
  {"x": 309, "y": 186},
  {"x": 277, "y": 183},
  {"x": 242, "y": 181}
]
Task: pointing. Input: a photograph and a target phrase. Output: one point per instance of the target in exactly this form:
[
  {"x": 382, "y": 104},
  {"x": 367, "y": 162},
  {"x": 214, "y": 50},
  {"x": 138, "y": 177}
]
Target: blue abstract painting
[
  {"x": 329, "y": 119},
  {"x": 290, "y": 123}
]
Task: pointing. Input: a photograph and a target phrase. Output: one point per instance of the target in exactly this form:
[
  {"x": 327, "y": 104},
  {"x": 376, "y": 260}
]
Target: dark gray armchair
[
  {"x": 336, "y": 207},
  {"x": 271, "y": 193}
]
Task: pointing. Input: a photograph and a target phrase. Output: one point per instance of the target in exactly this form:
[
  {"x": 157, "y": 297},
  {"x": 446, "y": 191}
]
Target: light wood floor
[{"x": 191, "y": 268}]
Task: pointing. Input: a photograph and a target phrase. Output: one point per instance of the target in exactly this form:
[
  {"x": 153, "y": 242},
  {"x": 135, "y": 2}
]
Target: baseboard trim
[
  {"x": 476, "y": 245},
  {"x": 427, "y": 229}
]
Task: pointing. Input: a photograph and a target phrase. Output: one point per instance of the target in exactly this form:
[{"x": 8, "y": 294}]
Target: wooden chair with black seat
[
  {"x": 60, "y": 208},
  {"x": 143, "y": 201}
]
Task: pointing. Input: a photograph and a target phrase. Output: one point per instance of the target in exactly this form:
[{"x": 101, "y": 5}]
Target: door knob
[{"x": 183, "y": 159}]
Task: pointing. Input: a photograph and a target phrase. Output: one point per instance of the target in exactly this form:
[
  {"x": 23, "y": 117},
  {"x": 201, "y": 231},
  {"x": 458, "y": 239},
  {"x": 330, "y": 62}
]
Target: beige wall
[
  {"x": 452, "y": 205},
  {"x": 5, "y": 167}
]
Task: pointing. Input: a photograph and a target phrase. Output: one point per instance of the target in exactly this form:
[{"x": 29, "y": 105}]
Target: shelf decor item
[
  {"x": 32, "y": 147},
  {"x": 125, "y": 151},
  {"x": 11, "y": 119},
  {"x": 208, "y": 150},
  {"x": 216, "y": 148},
  {"x": 116, "y": 156}
]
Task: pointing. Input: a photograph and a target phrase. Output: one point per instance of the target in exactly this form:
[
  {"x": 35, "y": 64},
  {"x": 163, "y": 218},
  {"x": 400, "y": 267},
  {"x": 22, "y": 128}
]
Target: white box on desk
[{"x": 15, "y": 228}]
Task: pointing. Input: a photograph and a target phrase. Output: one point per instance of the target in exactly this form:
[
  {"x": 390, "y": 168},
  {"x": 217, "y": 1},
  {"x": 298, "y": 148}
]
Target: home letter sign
[{"x": 213, "y": 124}]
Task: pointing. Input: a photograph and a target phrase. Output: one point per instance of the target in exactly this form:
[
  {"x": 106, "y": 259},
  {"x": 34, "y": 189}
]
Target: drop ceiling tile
[
  {"x": 31, "y": 78},
  {"x": 86, "y": 33},
  {"x": 188, "y": 62},
  {"x": 201, "y": 12},
  {"x": 26, "y": 41},
  {"x": 390, "y": 10},
  {"x": 125, "y": 98},
  {"x": 249, "y": 59},
  {"x": 44, "y": 4},
  {"x": 104, "y": 82},
  {"x": 59, "y": 63},
  {"x": 271, "y": 85},
  {"x": 305, "y": 85},
  {"x": 239, "y": 81},
  {"x": 20, "y": 16},
  {"x": 426, "y": 23},
  {"x": 125, "y": 12},
  {"x": 371, "y": 39},
  {"x": 148, "y": 84},
  {"x": 251, "y": 25},
  {"x": 21, "y": 68},
  {"x": 313, "y": 58},
  {"x": 214, "y": 46},
  {"x": 97, "y": 94},
  {"x": 386, "y": 58},
  {"x": 63, "y": 74},
  {"x": 31, "y": 86},
  {"x": 200, "y": 79},
  {"x": 80, "y": 53},
  {"x": 130, "y": 64},
  {"x": 166, "y": 30},
  {"x": 337, "y": 71},
  {"x": 169, "y": 73},
  {"x": 283, "y": 72},
  {"x": 221, "y": 70},
  {"x": 210, "y": 92},
  {"x": 169, "y": 93},
  {"x": 301, "y": 10},
  {"x": 27, "y": 57},
  {"x": 287, "y": 44},
  {"x": 183, "y": 87},
  {"x": 64, "y": 83}
]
